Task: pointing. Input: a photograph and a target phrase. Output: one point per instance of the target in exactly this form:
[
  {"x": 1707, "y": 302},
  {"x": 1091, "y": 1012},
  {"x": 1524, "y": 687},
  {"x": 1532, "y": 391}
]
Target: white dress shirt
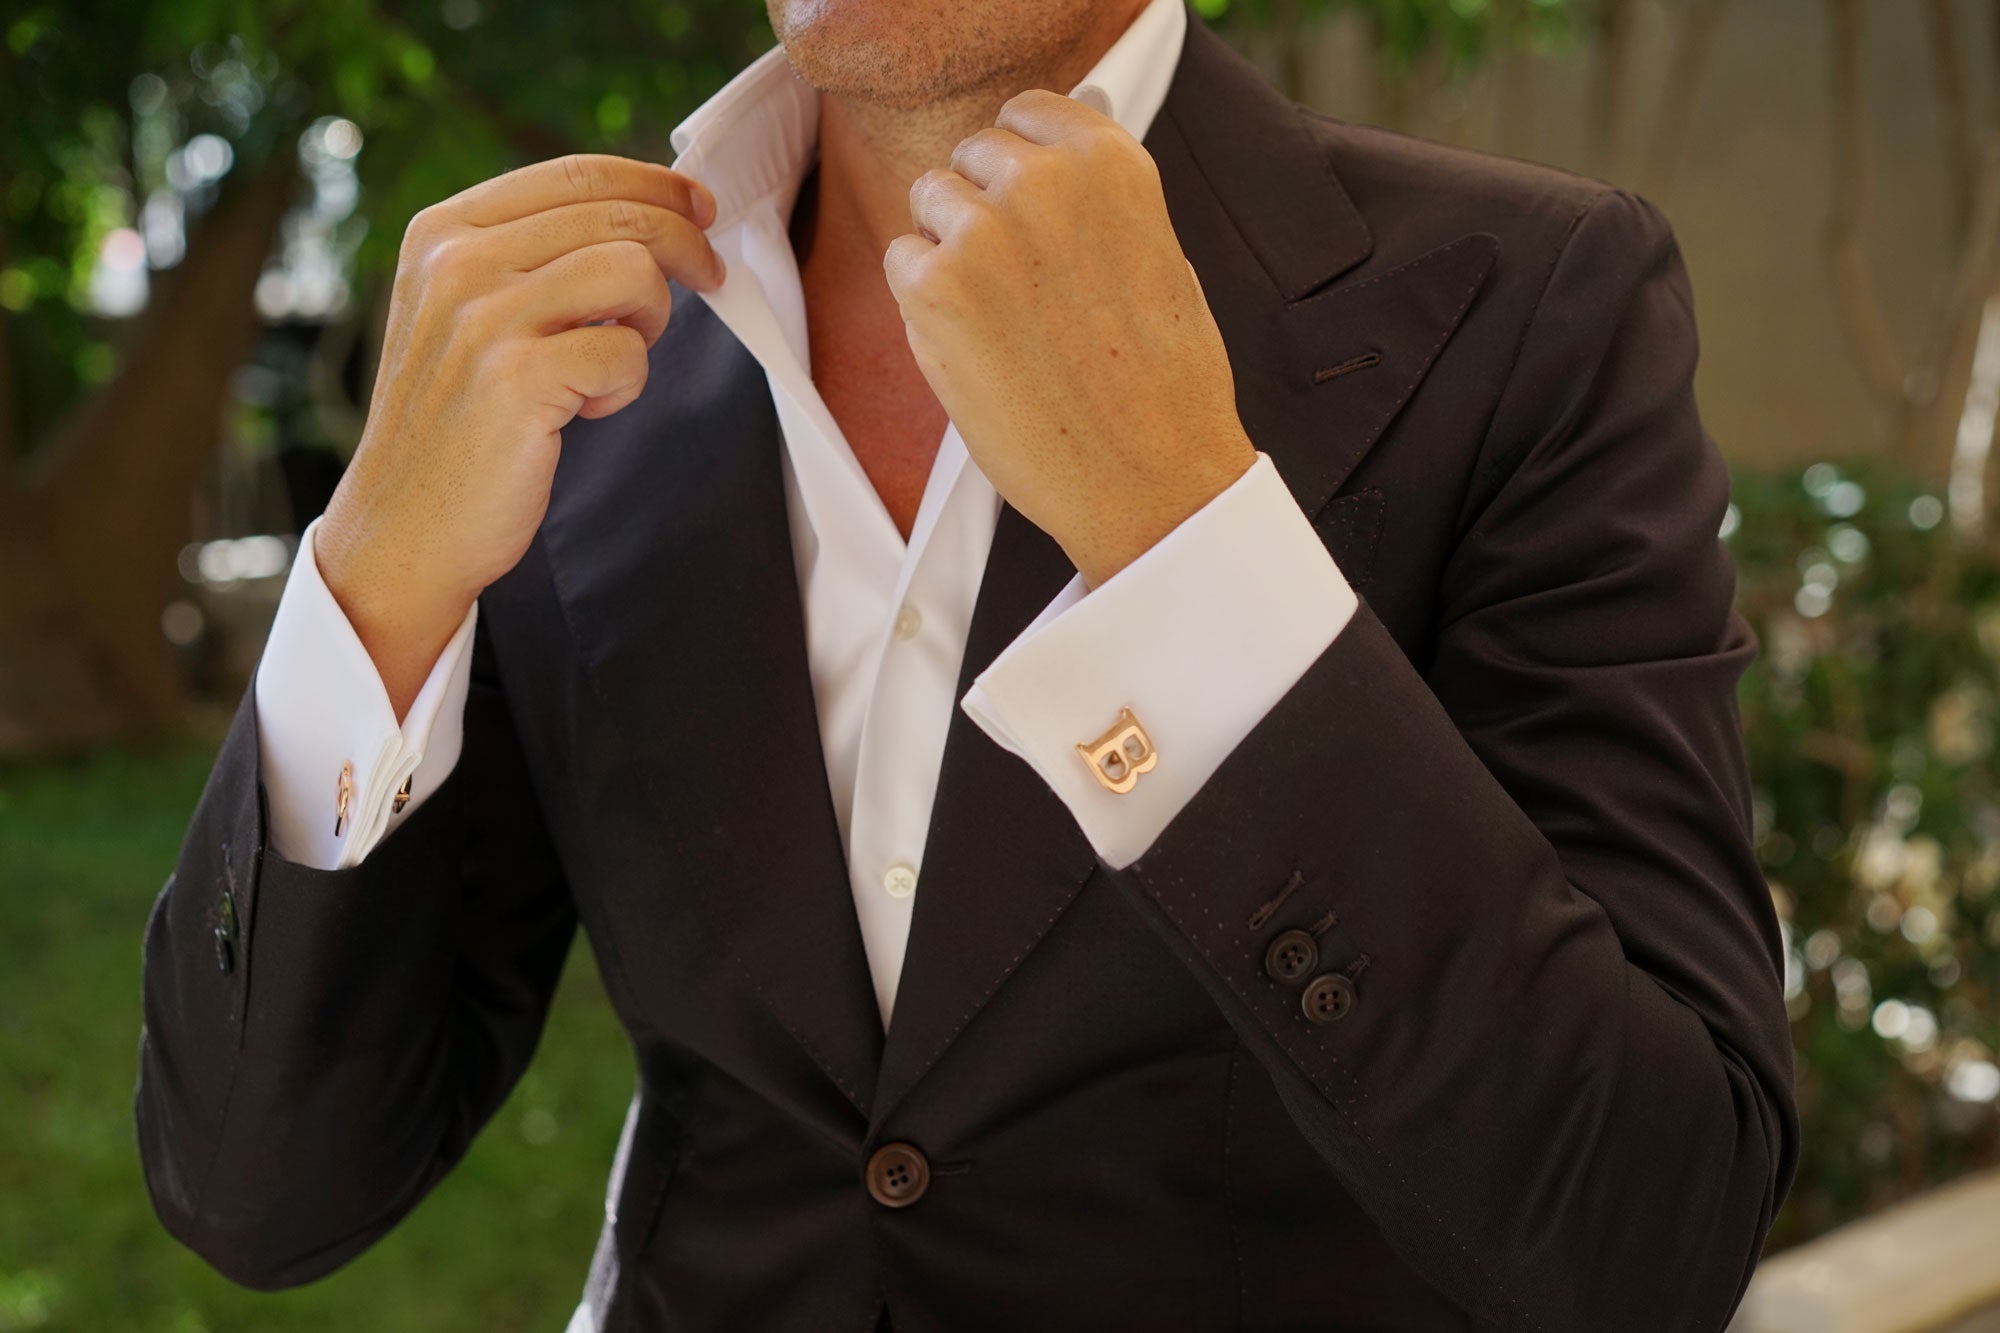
[{"x": 1199, "y": 636}]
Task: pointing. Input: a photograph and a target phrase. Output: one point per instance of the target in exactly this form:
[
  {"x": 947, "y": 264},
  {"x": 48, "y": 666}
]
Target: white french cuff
[
  {"x": 1199, "y": 637},
  {"x": 321, "y": 703}
]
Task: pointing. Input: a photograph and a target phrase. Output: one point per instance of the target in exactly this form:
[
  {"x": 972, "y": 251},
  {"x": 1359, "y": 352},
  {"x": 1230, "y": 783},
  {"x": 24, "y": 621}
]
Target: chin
[{"x": 911, "y": 53}]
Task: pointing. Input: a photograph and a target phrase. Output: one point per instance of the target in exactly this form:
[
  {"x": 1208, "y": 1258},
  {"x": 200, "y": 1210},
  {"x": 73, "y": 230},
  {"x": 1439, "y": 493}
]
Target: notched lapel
[{"x": 671, "y": 554}]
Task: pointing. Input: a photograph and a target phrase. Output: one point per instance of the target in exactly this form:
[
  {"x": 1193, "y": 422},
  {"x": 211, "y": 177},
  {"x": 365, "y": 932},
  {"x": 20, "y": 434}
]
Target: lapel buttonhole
[{"x": 1347, "y": 367}]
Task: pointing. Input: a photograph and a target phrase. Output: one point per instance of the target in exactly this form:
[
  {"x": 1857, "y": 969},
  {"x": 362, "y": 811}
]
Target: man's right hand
[{"x": 494, "y": 344}]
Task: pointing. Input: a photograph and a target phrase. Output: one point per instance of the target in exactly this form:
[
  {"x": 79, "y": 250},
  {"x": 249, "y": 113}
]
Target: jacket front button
[
  {"x": 1291, "y": 956},
  {"x": 897, "y": 1175},
  {"x": 1328, "y": 998}
]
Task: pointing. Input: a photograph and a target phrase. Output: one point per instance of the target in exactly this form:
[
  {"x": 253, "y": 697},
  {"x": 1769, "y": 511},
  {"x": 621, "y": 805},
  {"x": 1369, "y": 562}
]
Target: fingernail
[{"x": 704, "y": 205}]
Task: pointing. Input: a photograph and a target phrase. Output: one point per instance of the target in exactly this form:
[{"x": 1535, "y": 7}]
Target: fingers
[
  {"x": 580, "y": 178},
  {"x": 1045, "y": 117},
  {"x": 991, "y": 156},
  {"x": 903, "y": 265},
  {"x": 941, "y": 203},
  {"x": 612, "y": 280},
  {"x": 678, "y": 245},
  {"x": 594, "y": 371}
]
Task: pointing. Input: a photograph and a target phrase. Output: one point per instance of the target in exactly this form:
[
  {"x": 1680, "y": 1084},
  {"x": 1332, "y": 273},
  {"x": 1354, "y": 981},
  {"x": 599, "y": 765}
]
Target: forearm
[
  {"x": 1554, "y": 1135},
  {"x": 277, "y": 1117},
  {"x": 294, "y": 1106}
]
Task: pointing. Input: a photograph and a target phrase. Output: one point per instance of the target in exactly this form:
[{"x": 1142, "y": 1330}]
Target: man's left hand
[{"x": 1049, "y": 305}]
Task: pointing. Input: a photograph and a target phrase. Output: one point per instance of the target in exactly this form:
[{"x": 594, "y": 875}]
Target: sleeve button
[
  {"x": 1291, "y": 957},
  {"x": 1328, "y": 998}
]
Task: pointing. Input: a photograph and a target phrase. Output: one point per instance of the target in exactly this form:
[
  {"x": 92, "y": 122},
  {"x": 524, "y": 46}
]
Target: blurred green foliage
[
  {"x": 97, "y": 95},
  {"x": 1870, "y": 722}
]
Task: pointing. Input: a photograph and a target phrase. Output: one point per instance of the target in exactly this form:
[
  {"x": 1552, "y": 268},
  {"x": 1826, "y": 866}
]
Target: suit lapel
[
  {"x": 1267, "y": 227},
  {"x": 671, "y": 553},
  {"x": 1321, "y": 368},
  {"x": 1003, "y": 856}
]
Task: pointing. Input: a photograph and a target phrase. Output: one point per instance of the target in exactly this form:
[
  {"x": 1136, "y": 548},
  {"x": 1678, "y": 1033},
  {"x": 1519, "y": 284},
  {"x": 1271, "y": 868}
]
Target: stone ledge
[{"x": 1914, "y": 1268}]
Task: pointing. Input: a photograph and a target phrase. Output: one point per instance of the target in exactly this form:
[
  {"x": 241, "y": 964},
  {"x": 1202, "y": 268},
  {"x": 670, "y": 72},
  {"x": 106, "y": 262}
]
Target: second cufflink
[{"x": 343, "y": 796}]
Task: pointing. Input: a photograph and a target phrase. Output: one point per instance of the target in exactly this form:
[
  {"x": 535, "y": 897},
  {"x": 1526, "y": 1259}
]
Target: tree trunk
[{"x": 89, "y": 543}]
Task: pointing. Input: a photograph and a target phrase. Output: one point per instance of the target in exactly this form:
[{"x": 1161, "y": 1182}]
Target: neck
[{"x": 870, "y": 154}]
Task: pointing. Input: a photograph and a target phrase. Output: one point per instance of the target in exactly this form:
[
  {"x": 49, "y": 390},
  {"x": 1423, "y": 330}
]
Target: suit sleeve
[
  {"x": 1540, "y": 1034},
  {"x": 320, "y": 1047}
]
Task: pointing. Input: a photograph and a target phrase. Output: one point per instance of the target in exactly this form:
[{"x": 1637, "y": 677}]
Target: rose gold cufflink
[
  {"x": 402, "y": 797},
  {"x": 1120, "y": 755},
  {"x": 342, "y": 795}
]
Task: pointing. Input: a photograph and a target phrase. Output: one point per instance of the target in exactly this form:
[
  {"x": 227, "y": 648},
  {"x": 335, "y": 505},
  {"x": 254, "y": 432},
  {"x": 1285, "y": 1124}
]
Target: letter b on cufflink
[{"x": 1120, "y": 755}]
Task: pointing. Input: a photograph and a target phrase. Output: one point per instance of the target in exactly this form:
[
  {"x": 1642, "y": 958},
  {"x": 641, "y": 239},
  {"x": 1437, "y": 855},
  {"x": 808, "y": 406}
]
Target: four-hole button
[
  {"x": 1328, "y": 997},
  {"x": 897, "y": 1175},
  {"x": 1292, "y": 957}
]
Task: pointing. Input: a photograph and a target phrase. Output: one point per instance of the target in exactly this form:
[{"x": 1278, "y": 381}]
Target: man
[{"x": 930, "y": 665}]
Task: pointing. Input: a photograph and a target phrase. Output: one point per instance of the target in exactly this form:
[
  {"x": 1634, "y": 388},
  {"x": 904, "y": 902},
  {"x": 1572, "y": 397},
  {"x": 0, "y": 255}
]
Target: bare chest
[{"x": 863, "y": 369}]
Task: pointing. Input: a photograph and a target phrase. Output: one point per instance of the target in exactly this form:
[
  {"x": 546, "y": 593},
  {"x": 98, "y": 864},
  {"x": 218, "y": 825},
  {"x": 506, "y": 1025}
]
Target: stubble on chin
[{"x": 933, "y": 54}]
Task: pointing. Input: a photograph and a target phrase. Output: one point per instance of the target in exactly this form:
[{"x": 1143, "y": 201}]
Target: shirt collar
[{"x": 759, "y": 133}]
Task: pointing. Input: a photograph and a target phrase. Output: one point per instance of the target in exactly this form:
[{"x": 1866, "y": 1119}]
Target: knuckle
[
  {"x": 623, "y": 218},
  {"x": 978, "y": 227},
  {"x": 581, "y": 173},
  {"x": 447, "y": 266},
  {"x": 422, "y": 232},
  {"x": 987, "y": 147},
  {"x": 419, "y": 226},
  {"x": 899, "y": 260},
  {"x": 1026, "y": 98}
]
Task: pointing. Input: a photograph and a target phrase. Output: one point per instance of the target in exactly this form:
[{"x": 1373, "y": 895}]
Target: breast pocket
[{"x": 1351, "y": 527}]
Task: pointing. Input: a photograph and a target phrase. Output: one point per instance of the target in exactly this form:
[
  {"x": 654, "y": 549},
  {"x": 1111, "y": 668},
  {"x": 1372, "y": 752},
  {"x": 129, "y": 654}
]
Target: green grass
[{"x": 501, "y": 1245}]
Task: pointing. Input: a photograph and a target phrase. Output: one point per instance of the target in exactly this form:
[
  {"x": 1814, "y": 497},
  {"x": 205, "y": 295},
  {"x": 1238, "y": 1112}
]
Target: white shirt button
[
  {"x": 899, "y": 880},
  {"x": 908, "y": 621}
]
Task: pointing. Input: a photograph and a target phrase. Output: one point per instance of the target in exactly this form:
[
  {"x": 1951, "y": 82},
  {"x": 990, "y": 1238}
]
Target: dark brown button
[
  {"x": 1291, "y": 956},
  {"x": 1328, "y": 997},
  {"x": 897, "y": 1175}
]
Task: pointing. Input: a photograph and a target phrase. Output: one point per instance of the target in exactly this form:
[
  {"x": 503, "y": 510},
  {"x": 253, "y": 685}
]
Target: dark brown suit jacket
[{"x": 1561, "y": 1098}]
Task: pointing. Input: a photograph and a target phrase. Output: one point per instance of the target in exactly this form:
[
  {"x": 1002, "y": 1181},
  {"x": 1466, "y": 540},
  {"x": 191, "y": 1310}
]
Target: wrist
[
  {"x": 1113, "y": 546},
  {"x": 404, "y": 623}
]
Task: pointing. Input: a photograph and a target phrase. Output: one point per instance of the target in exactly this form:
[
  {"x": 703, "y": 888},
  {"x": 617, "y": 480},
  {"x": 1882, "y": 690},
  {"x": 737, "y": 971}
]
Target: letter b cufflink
[{"x": 1120, "y": 755}]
